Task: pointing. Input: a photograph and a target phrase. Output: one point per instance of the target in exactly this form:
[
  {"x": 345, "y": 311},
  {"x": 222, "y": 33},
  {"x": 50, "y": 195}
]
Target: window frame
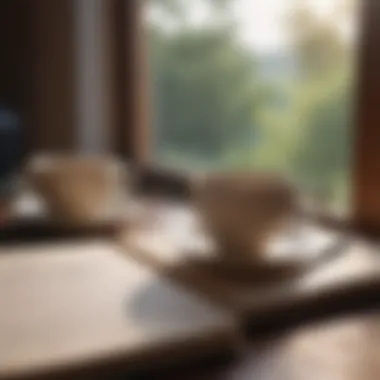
[{"x": 366, "y": 158}]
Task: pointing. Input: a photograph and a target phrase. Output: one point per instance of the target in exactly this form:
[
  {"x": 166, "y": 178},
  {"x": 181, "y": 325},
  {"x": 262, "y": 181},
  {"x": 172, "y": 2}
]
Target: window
[
  {"x": 264, "y": 84},
  {"x": 235, "y": 84}
]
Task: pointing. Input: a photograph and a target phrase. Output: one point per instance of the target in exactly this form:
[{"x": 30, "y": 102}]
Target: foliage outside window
[{"x": 231, "y": 93}]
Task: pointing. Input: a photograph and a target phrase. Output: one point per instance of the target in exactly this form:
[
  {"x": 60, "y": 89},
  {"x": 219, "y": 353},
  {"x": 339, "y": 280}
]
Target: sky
[{"x": 261, "y": 21}]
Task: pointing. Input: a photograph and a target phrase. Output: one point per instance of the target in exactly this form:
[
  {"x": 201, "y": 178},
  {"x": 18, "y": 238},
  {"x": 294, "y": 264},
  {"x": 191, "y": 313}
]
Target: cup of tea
[
  {"x": 79, "y": 189},
  {"x": 242, "y": 211}
]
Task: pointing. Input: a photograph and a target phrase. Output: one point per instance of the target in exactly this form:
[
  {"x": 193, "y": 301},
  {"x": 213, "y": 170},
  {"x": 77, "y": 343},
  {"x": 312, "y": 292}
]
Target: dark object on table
[
  {"x": 31, "y": 230},
  {"x": 10, "y": 148},
  {"x": 162, "y": 182}
]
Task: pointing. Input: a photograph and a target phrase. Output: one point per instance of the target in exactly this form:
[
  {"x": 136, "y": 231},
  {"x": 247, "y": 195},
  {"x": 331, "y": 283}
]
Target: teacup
[
  {"x": 242, "y": 211},
  {"x": 78, "y": 189}
]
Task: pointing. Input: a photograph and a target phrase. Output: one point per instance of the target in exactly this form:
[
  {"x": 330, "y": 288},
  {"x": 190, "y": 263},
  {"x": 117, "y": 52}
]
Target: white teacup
[
  {"x": 242, "y": 211},
  {"x": 79, "y": 189}
]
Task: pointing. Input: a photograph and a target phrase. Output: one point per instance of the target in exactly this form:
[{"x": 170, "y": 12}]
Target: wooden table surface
[
  {"x": 343, "y": 349},
  {"x": 348, "y": 274},
  {"x": 69, "y": 307},
  {"x": 339, "y": 348}
]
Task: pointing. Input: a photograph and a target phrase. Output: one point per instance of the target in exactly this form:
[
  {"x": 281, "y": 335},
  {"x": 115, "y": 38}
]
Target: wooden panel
[
  {"x": 74, "y": 77},
  {"x": 16, "y": 59},
  {"x": 15, "y": 32},
  {"x": 94, "y": 41},
  {"x": 69, "y": 306},
  {"x": 53, "y": 75},
  {"x": 133, "y": 139},
  {"x": 367, "y": 138},
  {"x": 36, "y": 69},
  {"x": 77, "y": 71}
]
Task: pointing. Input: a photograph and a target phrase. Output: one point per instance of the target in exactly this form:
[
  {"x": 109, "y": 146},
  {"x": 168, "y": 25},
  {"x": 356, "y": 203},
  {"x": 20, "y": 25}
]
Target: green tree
[
  {"x": 205, "y": 92},
  {"x": 316, "y": 43},
  {"x": 204, "y": 89},
  {"x": 322, "y": 156},
  {"x": 323, "y": 106}
]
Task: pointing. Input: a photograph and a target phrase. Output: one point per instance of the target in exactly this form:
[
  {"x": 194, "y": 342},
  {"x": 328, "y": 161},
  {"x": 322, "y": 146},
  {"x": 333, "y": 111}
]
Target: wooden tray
[
  {"x": 83, "y": 306},
  {"x": 336, "y": 273}
]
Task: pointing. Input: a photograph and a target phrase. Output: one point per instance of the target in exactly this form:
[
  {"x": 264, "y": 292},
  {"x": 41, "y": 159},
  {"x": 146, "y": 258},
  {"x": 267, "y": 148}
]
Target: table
[
  {"x": 345, "y": 347},
  {"x": 82, "y": 307},
  {"x": 348, "y": 278}
]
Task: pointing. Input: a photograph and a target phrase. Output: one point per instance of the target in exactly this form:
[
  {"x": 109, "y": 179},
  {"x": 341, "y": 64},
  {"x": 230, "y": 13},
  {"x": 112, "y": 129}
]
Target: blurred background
[
  {"x": 169, "y": 87},
  {"x": 263, "y": 84}
]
